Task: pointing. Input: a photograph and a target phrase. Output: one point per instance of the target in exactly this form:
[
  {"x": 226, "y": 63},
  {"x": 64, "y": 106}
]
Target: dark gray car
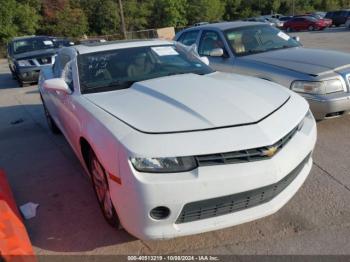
[
  {"x": 259, "y": 50},
  {"x": 27, "y": 55}
]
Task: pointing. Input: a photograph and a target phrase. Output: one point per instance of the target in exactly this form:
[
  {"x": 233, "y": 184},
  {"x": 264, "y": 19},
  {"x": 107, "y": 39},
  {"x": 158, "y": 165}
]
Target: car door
[
  {"x": 51, "y": 97},
  {"x": 211, "y": 40},
  {"x": 189, "y": 38},
  {"x": 66, "y": 107}
]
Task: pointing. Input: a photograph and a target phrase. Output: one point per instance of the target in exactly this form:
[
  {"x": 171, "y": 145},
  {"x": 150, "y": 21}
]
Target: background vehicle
[
  {"x": 319, "y": 14},
  {"x": 61, "y": 42},
  {"x": 261, "y": 20},
  {"x": 256, "y": 49},
  {"x": 304, "y": 23},
  {"x": 27, "y": 55},
  {"x": 327, "y": 22},
  {"x": 347, "y": 24},
  {"x": 128, "y": 108},
  {"x": 338, "y": 17},
  {"x": 285, "y": 18}
]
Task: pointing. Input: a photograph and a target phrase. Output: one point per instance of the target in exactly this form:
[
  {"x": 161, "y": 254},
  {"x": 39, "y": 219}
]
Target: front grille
[
  {"x": 243, "y": 156},
  {"x": 228, "y": 204},
  {"x": 44, "y": 60}
]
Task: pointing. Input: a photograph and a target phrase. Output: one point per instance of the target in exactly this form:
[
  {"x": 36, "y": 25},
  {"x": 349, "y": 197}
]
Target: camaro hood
[
  {"x": 309, "y": 61},
  {"x": 190, "y": 102},
  {"x": 34, "y": 54}
]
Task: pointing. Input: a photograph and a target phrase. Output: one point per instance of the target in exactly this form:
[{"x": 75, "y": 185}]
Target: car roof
[
  {"x": 29, "y": 37},
  {"x": 226, "y": 25},
  {"x": 105, "y": 46}
]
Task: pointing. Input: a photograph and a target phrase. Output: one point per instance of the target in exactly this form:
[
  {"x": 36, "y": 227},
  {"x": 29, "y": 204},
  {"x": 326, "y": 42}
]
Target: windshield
[
  {"x": 120, "y": 68},
  {"x": 32, "y": 44},
  {"x": 257, "y": 39}
]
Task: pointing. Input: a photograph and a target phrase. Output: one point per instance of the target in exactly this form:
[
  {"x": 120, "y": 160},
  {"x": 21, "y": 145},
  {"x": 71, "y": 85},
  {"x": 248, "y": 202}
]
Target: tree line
[{"x": 75, "y": 18}]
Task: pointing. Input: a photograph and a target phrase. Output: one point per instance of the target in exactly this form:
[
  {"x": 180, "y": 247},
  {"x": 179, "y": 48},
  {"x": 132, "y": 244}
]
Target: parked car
[
  {"x": 327, "y": 22},
  {"x": 321, "y": 76},
  {"x": 319, "y": 13},
  {"x": 305, "y": 23},
  {"x": 285, "y": 18},
  {"x": 273, "y": 19},
  {"x": 347, "y": 24},
  {"x": 27, "y": 55},
  {"x": 338, "y": 17},
  {"x": 260, "y": 19},
  {"x": 200, "y": 23},
  {"x": 142, "y": 117},
  {"x": 59, "y": 42}
]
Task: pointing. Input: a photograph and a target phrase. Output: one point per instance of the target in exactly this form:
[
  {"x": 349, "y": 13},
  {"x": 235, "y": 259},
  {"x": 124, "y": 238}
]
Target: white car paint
[{"x": 184, "y": 115}]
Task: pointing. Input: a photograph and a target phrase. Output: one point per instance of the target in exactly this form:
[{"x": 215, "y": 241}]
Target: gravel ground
[{"x": 42, "y": 169}]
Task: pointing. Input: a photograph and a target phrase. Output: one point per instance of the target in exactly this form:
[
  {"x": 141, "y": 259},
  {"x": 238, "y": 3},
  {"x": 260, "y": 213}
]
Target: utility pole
[
  {"x": 122, "y": 18},
  {"x": 293, "y": 3}
]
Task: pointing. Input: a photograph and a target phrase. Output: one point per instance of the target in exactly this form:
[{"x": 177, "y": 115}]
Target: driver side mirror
[
  {"x": 217, "y": 52},
  {"x": 57, "y": 84}
]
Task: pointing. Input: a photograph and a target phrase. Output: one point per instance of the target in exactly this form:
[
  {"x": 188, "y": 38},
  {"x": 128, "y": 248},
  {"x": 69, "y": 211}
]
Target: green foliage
[
  {"x": 71, "y": 22},
  {"x": 17, "y": 19},
  {"x": 75, "y": 18},
  {"x": 137, "y": 14},
  {"x": 205, "y": 10},
  {"x": 103, "y": 16},
  {"x": 26, "y": 19},
  {"x": 169, "y": 13},
  {"x": 7, "y": 14}
]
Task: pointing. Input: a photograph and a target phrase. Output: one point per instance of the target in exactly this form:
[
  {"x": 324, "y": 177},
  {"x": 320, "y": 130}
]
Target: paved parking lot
[{"x": 42, "y": 168}]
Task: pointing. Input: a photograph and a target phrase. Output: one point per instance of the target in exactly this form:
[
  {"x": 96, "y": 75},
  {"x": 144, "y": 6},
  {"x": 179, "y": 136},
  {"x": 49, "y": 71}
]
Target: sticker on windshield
[
  {"x": 164, "y": 50},
  {"x": 48, "y": 42},
  {"x": 283, "y": 36}
]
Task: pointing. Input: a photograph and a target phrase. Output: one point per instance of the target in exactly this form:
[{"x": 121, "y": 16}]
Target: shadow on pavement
[
  {"x": 41, "y": 168},
  {"x": 6, "y": 81}
]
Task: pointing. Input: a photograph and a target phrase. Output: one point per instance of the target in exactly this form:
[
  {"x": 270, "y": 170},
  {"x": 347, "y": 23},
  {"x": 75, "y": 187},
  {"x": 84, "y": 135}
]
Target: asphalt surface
[{"x": 42, "y": 169}]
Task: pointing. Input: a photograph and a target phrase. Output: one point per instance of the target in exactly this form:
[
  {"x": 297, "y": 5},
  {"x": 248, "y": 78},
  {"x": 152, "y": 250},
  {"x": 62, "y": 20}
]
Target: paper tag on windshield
[
  {"x": 164, "y": 50},
  {"x": 48, "y": 42},
  {"x": 283, "y": 36}
]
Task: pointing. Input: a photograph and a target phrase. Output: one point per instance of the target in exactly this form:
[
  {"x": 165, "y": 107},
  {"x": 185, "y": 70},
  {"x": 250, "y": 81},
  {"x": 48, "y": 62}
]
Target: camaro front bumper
[
  {"x": 142, "y": 192},
  {"x": 328, "y": 106}
]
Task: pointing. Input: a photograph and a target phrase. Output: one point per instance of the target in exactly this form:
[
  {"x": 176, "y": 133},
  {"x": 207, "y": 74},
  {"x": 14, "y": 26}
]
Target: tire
[
  {"x": 50, "y": 122},
  {"x": 311, "y": 28},
  {"x": 101, "y": 188},
  {"x": 289, "y": 29}
]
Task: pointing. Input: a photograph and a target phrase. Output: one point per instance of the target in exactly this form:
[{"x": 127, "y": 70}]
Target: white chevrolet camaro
[{"x": 172, "y": 147}]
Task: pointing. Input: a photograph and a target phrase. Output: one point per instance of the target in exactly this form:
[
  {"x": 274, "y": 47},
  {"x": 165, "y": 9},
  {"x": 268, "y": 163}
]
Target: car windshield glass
[
  {"x": 32, "y": 44},
  {"x": 120, "y": 68},
  {"x": 257, "y": 39}
]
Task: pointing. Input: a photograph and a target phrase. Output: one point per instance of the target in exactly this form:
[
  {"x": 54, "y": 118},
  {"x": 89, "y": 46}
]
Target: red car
[{"x": 305, "y": 23}]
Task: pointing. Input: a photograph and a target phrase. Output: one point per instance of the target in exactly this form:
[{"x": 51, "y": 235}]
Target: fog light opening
[{"x": 160, "y": 212}]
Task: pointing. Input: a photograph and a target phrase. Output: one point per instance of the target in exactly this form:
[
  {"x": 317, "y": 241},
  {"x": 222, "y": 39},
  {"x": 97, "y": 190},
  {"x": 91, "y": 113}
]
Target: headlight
[
  {"x": 164, "y": 164},
  {"x": 24, "y": 63},
  {"x": 320, "y": 88},
  {"x": 308, "y": 115}
]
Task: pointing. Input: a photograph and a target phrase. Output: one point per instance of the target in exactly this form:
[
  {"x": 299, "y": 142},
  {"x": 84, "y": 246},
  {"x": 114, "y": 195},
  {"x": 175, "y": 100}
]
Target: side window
[
  {"x": 68, "y": 76},
  {"x": 64, "y": 59},
  {"x": 56, "y": 68},
  {"x": 189, "y": 38},
  {"x": 209, "y": 41}
]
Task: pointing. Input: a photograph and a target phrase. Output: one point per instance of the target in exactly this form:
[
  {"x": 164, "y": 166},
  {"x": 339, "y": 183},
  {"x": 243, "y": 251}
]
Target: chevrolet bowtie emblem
[{"x": 271, "y": 151}]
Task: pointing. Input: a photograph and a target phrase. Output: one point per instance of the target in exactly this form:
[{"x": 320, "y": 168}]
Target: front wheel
[
  {"x": 101, "y": 188},
  {"x": 311, "y": 28}
]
